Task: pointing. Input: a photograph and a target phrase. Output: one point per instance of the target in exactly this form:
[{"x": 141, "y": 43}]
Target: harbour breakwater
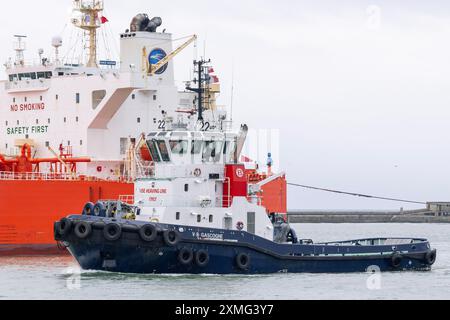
[{"x": 416, "y": 216}]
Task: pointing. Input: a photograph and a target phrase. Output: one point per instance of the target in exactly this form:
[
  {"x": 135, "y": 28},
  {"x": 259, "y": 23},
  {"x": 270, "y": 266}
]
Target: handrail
[{"x": 37, "y": 176}]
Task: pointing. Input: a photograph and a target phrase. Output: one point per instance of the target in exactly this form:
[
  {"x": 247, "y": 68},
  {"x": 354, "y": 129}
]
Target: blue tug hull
[{"x": 230, "y": 252}]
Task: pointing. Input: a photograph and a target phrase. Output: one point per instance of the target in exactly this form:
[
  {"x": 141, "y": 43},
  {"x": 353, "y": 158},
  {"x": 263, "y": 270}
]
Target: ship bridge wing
[{"x": 120, "y": 88}]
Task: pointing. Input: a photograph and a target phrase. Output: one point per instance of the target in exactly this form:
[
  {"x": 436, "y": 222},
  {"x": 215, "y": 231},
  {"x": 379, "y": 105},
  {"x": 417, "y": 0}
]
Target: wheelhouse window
[
  {"x": 163, "y": 150},
  {"x": 153, "y": 151},
  {"x": 179, "y": 146},
  {"x": 211, "y": 151},
  {"x": 196, "y": 146}
]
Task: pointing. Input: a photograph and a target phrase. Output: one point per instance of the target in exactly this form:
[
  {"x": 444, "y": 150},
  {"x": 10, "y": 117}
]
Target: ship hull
[
  {"x": 29, "y": 209},
  {"x": 130, "y": 254}
]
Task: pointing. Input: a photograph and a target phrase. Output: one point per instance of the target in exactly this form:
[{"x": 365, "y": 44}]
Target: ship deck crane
[{"x": 152, "y": 69}]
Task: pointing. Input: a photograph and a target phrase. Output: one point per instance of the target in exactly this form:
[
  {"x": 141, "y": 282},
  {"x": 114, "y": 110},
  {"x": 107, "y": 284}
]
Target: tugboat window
[
  {"x": 186, "y": 188},
  {"x": 197, "y": 147},
  {"x": 199, "y": 218},
  {"x": 209, "y": 151},
  {"x": 218, "y": 151},
  {"x": 211, "y": 218},
  {"x": 178, "y": 216},
  {"x": 154, "y": 151},
  {"x": 179, "y": 147},
  {"x": 163, "y": 150}
]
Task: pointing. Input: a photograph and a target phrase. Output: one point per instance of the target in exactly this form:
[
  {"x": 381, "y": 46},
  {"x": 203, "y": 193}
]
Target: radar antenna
[{"x": 89, "y": 21}]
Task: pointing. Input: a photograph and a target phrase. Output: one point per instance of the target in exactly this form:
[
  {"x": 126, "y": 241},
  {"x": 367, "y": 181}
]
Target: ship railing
[
  {"x": 37, "y": 176},
  {"x": 227, "y": 126},
  {"x": 377, "y": 242}
]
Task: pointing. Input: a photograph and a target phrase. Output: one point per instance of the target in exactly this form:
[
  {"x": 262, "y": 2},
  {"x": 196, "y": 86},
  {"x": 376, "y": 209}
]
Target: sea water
[{"x": 61, "y": 278}]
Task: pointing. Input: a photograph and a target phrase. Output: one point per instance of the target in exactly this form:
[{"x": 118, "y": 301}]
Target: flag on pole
[{"x": 104, "y": 20}]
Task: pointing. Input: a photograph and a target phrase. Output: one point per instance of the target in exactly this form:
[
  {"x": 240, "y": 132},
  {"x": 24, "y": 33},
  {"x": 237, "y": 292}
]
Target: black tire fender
[
  {"x": 430, "y": 257},
  {"x": 243, "y": 261},
  {"x": 83, "y": 230},
  {"x": 148, "y": 232},
  {"x": 88, "y": 209},
  {"x": 171, "y": 237},
  {"x": 202, "y": 258},
  {"x": 64, "y": 227},
  {"x": 185, "y": 256},
  {"x": 396, "y": 260},
  {"x": 112, "y": 232}
]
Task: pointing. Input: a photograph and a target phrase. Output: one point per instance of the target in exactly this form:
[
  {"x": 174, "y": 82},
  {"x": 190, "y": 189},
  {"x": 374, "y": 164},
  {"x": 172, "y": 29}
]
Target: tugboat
[{"x": 194, "y": 212}]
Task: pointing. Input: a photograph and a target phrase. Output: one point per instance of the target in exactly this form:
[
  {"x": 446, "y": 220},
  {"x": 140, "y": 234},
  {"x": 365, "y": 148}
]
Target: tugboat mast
[{"x": 200, "y": 89}]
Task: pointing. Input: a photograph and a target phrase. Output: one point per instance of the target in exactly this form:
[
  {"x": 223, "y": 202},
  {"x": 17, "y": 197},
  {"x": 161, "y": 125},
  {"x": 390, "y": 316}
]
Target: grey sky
[{"x": 363, "y": 104}]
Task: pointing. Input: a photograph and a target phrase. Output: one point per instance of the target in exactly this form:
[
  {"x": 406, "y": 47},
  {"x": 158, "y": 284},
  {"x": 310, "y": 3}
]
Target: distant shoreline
[{"x": 352, "y": 216}]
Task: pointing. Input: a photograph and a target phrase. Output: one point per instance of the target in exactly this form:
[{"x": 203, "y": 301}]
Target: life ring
[
  {"x": 243, "y": 261},
  {"x": 99, "y": 210},
  {"x": 88, "y": 209},
  {"x": 171, "y": 237},
  {"x": 202, "y": 258},
  {"x": 185, "y": 256},
  {"x": 112, "y": 232},
  {"x": 83, "y": 230},
  {"x": 240, "y": 226},
  {"x": 396, "y": 260},
  {"x": 197, "y": 172},
  {"x": 64, "y": 227},
  {"x": 148, "y": 233},
  {"x": 430, "y": 257}
]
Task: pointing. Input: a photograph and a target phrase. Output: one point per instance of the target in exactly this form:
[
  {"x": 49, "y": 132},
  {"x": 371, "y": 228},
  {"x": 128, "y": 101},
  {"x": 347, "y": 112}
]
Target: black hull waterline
[{"x": 135, "y": 247}]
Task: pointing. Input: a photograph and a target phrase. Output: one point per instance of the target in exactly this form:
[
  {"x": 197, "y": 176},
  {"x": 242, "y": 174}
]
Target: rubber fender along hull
[{"x": 130, "y": 254}]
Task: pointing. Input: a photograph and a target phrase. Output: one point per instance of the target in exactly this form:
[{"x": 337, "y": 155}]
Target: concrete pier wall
[{"x": 418, "y": 216}]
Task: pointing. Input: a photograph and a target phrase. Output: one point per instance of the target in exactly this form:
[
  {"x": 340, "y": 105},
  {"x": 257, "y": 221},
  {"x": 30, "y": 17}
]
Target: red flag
[
  {"x": 104, "y": 20},
  {"x": 211, "y": 70}
]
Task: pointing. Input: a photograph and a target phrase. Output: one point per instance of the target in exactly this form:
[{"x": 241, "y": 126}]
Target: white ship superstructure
[{"x": 86, "y": 110}]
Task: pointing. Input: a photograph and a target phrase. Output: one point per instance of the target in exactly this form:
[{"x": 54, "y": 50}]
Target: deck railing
[{"x": 38, "y": 176}]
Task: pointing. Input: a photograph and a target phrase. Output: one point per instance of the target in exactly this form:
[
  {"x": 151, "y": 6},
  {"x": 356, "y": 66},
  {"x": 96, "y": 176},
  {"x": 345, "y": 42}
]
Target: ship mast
[{"x": 89, "y": 22}]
